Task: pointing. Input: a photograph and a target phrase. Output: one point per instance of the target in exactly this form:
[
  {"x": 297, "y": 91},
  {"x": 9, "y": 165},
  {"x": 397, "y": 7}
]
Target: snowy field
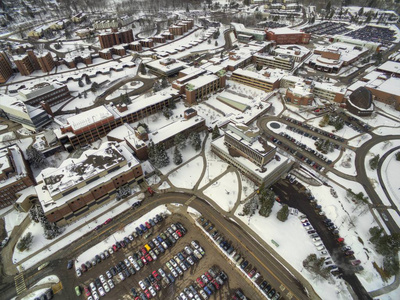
[
  {"x": 346, "y": 164},
  {"x": 126, "y": 88},
  {"x": 117, "y": 236},
  {"x": 248, "y": 187},
  {"x": 224, "y": 191},
  {"x": 187, "y": 175},
  {"x": 389, "y": 172},
  {"x": 358, "y": 141},
  {"x": 277, "y": 106}
]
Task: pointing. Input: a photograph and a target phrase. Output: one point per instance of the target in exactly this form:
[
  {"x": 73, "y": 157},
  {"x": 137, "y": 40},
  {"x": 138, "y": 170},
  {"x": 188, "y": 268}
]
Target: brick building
[
  {"x": 5, "y": 68},
  {"x": 96, "y": 123},
  {"x": 285, "y": 35},
  {"x": 115, "y": 37},
  {"x": 30, "y": 62},
  {"x": 300, "y": 94},
  {"x": 15, "y": 174},
  {"x": 199, "y": 88},
  {"x": 80, "y": 186}
]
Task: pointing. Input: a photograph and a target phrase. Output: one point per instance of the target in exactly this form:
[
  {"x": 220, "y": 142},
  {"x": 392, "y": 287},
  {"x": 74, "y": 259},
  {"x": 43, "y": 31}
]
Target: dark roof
[{"x": 361, "y": 98}]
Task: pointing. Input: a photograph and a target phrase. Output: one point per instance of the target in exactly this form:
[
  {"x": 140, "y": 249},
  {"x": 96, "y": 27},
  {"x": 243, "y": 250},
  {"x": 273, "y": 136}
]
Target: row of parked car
[
  {"x": 117, "y": 246},
  {"x": 241, "y": 262},
  {"x": 207, "y": 284},
  {"x": 134, "y": 263},
  {"x": 180, "y": 263},
  {"x": 315, "y": 129},
  {"x": 47, "y": 295},
  {"x": 330, "y": 28}
]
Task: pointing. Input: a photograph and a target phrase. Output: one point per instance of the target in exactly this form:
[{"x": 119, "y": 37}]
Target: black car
[
  {"x": 146, "y": 281},
  {"x": 70, "y": 264},
  {"x": 118, "y": 245},
  {"x": 126, "y": 240},
  {"x": 159, "y": 218},
  {"x": 223, "y": 276},
  {"x": 122, "y": 265},
  {"x": 126, "y": 273},
  {"x": 132, "y": 270},
  {"x": 244, "y": 264},
  {"x": 134, "y": 293},
  {"x": 271, "y": 293},
  {"x": 263, "y": 284},
  {"x": 151, "y": 278},
  {"x": 211, "y": 287},
  {"x": 113, "y": 271},
  {"x": 118, "y": 267},
  {"x": 98, "y": 259},
  {"x": 98, "y": 283},
  {"x": 123, "y": 244}
]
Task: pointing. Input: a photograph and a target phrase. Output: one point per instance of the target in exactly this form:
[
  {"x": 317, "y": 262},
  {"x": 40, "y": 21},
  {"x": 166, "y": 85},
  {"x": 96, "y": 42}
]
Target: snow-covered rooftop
[
  {"x": 91, "y": 116},
  {"x": 271, "y": 79},
  {"x": 390, "y": 66},
  {"x": 16, "y": 161}
]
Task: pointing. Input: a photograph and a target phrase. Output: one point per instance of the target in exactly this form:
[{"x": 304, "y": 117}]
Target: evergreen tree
[
  {"x": 180, "y": 141},
  {"x": 161, "y": 157},
  {"x": 373, "y": 162},
  {"x": 171, "y": 103},
  {"x": 80, "y": 83},
  {"x": 177, "y": 156},
  {"x": 164, "y": 82},
  {"x": 25, "y": 242},
  {"x": 167, "y": 112},
  {"x": 88, "y": 81},
  {"x": 151, "y": 152},
  {"x": 95, "y": 86},
  {"x": 398, "y": 156},
  {"x": 195, "y": 140},
  {"x": 215, "y": 132},
  {"x": 156, "y": 86},
  {"x": 283, "y": 213},
  {"x": 35, "y": 158}
]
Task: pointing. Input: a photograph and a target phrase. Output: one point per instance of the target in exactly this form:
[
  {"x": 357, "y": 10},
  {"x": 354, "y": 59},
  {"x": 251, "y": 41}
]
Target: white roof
[
  {"x": 86, "y": 118},
  {"x": 257, "y": 76},
  {"x": 18, "y": 164},
  {"x": 390, "y": 86},
  {"x": 283, "y": 30},
  {"x": 202, "y": 80},
  {"x": 390, "y": 66}
]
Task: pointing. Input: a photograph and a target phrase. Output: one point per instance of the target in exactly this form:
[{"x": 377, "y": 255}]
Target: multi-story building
[
  {"x": 285, "y": 35},
  {"x": 264, "y": 82},
  {"x": 15, "y": 174},
  {"x": 79, "y": 186},
  {"x": 113, "y": 23},
  {"x": 30, "y": 62},
  {"x": 247, "y": 34},
  {"x": 5, "y": 68},
  {"x": 166, "y": 66},
  {"x": 199, "y": 88},
  {"x": 52, "y": 94},
  {"x": 91, "y": 125},
  {"x": 300, "y": 94},
  {"x": 296, "y": 52},
  {"x": 252, "y": 155},
  {"x": 115, "y": 37},
  {"x": 280, "y": 61},
  {"x": 13, "y": 109}
]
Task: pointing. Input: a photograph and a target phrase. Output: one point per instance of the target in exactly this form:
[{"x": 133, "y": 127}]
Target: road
[{"x": 266, "y": 264}]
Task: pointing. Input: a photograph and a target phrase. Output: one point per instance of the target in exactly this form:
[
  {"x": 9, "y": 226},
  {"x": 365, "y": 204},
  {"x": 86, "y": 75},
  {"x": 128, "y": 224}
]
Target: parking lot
[
  {"x": 327, "y": 28},
  {"x": 375, "y": 34},
  {"x": 212, "y": 258}
]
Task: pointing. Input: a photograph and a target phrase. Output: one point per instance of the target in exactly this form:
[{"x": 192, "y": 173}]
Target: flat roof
[
  {"x": 390, "y": 66},
  {"x": 257, "y": 76}
]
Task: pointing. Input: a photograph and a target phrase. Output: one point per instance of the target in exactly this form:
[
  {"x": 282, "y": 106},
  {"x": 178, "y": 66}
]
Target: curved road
[{"x": 275, "y": 273}]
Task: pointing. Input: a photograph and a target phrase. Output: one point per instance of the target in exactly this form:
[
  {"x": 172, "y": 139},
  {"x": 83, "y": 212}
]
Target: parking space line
[{"x": 20, "y": 285}]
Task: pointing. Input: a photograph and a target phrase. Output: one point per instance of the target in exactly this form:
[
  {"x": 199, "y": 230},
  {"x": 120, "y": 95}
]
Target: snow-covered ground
[
  {"x": 346, "y": 164},
  {"x": 39, "y": 241},
  {"x": 117, "y": 236},
  {"x": 224, "y": 191},
  {"x": 187, "y": 175},
  {"x": 291, "y": 235},
  {"x": 126, "y": 88}
]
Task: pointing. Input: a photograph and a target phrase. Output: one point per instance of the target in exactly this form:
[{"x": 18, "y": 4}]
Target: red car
[
  {"x": 209, "y": 277},
  {"x": 150, "y": 190},
  {"x": 147, "y": 225},
  {"x": 217, "y": 286},
  {"x": 107, "y": 221},
  {"x": 200, "y": 282},
  {"x": 148, "y": 295},
  {"x": 83, "y": 267},
  {"x": 115, "y": 248},
  {"x": 144, "y": 260},
  {"x": 87, "y": 292},
  {"x": 156, "y": 275},
  {"x": 179, "y": 233},
  {"x": 148, "y": 257},
  {"x": 156, "y": 286},
  {"x": 144, "y": 251}
]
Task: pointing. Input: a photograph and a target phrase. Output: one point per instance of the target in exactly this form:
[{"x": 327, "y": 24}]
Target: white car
[
  {"x": 188, "y": 250},
  {"x": 152, "y": 291},
  {"x": 183, "y": 296},
  {"x": 190, "y": 260},
  {"x": 320, "y": 248},
  {"x": 173, "y": 262},
  {"x": 153, "y": 255},
  {"x": 95, "y": 295},
  {"x": 204, "y": 278},
  {"x": 176, "y": 258},
  {"x": 92, "y": 287},
  {"x": 136, "y": 266},
  {"x": 183, "y": 266},
  {"x": 131, "y": 259},
  {"x": 78, "y": 272},
  {"x": 142, "y": 285},
  {"x": 203, "y": 294},
  {"x": 175, "y": 236},
  {"x": 106, "y": 287},
  {"x": 156, "y": 242},
  {"x": 194, "y": 244},
  {"x": 127, "y": 263},
  {"x": 161, "y": 272},
  {"x": 101, "y": 291},
  {"x": 174, "y": 273},
  {"x": 179, "y": 270},
  {"x": 164, "y": 244},
  {"x": 121, "y": 276},
  {"x": 111, "y": 283},
  {"x": 173, "y": 226},
  {"x": 198, "y": 255},
  {"x": 316, "y": 239},
  {"x": 102, "y": 279},
  {"x": 109, "y": 275}
]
